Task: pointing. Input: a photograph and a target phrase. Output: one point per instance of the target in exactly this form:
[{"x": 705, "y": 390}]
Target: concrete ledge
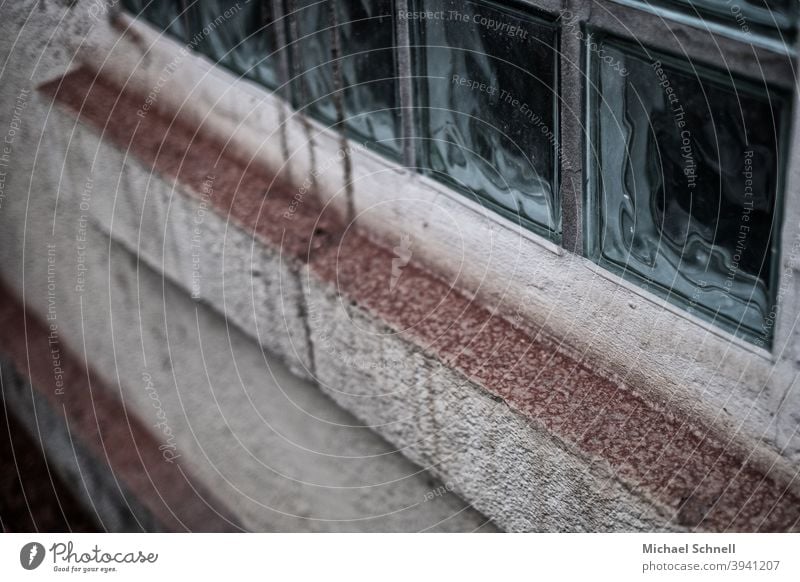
[
  {"x": 644, "y": 466},
  {"x": 519, "y": 473},
  {"x": 657, "y": 348},
  {"x": 275, "y": 451},
  {"x": 673, "y": 467},
  {"x": 278, "y": 454}
]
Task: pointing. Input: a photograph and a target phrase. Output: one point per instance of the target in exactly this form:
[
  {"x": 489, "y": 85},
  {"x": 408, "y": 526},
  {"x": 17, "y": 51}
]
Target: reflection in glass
[
  {"x": 367, "y": 68},
  {"x": 241, "y": 38},
  {"x": 487, "y": 85},
  {"x": 687, "y": 184},
  {"x": 170, "y": 16}
]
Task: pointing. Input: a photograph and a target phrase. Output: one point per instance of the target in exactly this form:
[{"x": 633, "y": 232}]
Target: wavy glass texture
[
  {"x": 487, "y": 86},
  {"x": 166, "y": 15},
  {"x": 312, "y": 76},
  {"x": 369, "y": 94},
  {"x": 241, "y": 38},
  {"x": 687, "y": 186}
]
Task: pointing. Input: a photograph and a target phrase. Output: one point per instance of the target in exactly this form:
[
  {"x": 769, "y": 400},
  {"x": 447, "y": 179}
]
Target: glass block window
[
  {"x": 683, "y": 174},
  {"x": 367, "y": 64},
  {"x": 171, "y": 16},
  {"x": 686, "y": 187},
  {"x": 487, "y": 97},
  {"x": 241, "y": 37}
]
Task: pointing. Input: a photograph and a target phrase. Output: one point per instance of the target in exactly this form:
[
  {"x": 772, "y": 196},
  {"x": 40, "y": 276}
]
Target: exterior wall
[
  {"x": 653, "y": 345},
  {"x": 170, "y": 417},
  {"x": 549, "y": 394}
]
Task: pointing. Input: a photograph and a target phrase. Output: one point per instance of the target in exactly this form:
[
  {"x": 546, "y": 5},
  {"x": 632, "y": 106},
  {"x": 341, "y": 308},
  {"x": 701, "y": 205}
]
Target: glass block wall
[{"x": 682, "y": 159}]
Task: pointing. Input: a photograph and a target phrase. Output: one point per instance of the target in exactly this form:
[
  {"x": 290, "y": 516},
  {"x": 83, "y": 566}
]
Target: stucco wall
[{"x": 547, "y": 393}]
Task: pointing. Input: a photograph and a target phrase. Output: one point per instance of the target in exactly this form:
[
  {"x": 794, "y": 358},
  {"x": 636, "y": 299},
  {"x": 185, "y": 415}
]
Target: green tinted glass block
[
  {"x": 241, "y": 37},
  {"x": 487, "y": 97},
  {"x": 367, "y": 68},
  {"x": 312, "y": 76},
  {"x": 686, "y": 184},
  {"x": 171, "y": 16}
]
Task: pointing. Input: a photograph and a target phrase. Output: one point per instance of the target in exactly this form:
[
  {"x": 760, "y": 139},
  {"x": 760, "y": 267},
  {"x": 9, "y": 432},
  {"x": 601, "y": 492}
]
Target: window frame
[
  {"x": 773, "y": 38},
  {"x": 713, "y": 46}
]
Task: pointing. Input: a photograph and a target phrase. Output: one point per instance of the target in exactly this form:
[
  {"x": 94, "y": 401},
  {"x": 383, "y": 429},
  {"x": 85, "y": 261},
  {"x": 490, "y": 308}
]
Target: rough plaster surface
[
  {"x": 441, "y": 421},
  {"x": 697, "y": 480},
  {"x": 669, "y": 377},
  {"x": 280, "y": 455},
  {"x": 695, "y": 470},
  {"x": 216, "y": 262},
  {"x": 511, "y": 470},
  {"x": 662, "y": 350}
]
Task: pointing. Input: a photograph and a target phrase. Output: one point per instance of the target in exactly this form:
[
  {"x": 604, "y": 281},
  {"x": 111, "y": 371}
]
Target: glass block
[
  {"x": 241, "y": 37},
  {"x": 171, "y": 16},
  {"x": 687, "y": 184},
  {"x": 488, "y": 118},
  {"x": 369, "y": 93}
]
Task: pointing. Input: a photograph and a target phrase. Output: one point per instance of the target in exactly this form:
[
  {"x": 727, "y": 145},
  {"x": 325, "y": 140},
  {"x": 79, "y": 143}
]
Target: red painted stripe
[
  {"x": 103, "y": 425},
  {"x": 669, "y": 459},
  {"x": 673, "y": 461},
  {"x": 245, "y": 192}
]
